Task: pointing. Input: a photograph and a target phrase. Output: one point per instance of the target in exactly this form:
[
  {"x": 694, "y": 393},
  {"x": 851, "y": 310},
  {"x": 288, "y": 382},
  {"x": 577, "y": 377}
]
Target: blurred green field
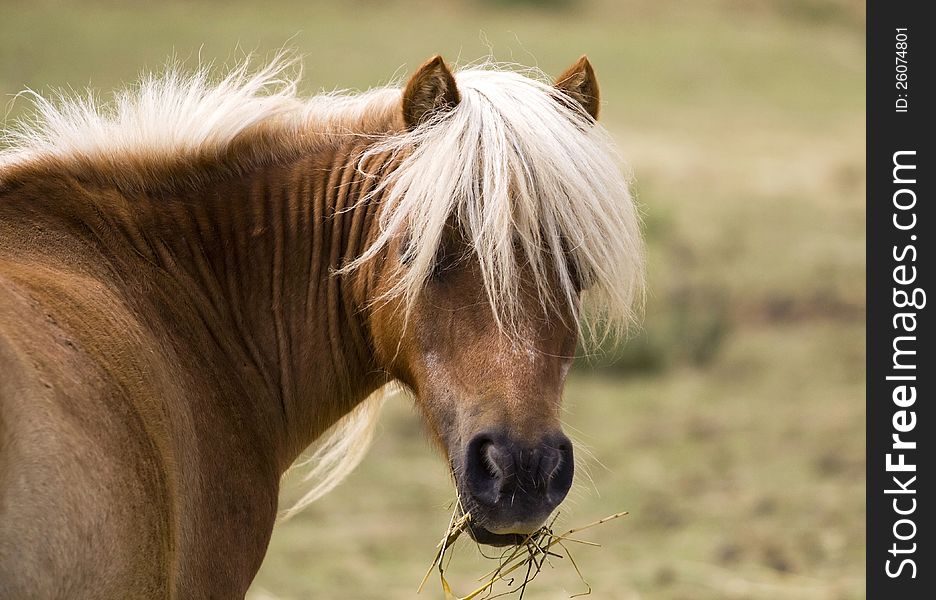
[{"x": 732, "y": 426}]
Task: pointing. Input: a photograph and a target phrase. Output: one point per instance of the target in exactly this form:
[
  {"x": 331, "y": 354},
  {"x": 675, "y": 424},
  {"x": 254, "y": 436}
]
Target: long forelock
[{"x": 532, "y": 183}]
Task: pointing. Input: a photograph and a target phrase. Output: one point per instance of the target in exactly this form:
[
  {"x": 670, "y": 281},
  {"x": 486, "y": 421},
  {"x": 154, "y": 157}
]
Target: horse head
[{"x": 494, "y": 229}]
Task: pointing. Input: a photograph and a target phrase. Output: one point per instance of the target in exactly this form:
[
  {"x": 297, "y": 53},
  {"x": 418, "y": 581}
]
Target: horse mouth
[{"x": 483, "y": 536}]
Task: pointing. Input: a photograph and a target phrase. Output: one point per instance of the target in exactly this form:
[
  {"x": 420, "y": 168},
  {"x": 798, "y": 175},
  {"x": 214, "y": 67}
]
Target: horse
[{"x": 204, "y": 278}]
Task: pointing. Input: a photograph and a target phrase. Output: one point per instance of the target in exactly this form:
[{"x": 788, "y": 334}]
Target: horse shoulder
[{"x": 83, "y": 490}]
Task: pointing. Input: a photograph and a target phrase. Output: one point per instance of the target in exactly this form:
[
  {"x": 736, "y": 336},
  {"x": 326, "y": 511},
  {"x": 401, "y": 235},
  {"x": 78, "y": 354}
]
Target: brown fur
[
  {"x": 172, "y": 336},
  {"x": 431, "y": 89},
  {"x": 580, "y": 84}
]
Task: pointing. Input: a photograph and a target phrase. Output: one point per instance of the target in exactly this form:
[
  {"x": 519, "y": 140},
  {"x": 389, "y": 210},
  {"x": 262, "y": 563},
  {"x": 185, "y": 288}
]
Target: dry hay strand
[{"x": 531, "y": 554}]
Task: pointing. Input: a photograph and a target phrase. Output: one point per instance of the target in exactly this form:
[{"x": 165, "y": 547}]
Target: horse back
[
  {"x": 84, "y": 485},
  {"x": 112, "y": 484}
]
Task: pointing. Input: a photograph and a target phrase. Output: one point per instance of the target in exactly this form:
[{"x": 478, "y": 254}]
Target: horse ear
[
  {"x": 579, "y": 83},
  {"x": 431, "y": 89}
]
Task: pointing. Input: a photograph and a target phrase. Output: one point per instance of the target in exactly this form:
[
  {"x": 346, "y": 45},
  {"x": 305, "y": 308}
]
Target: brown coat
[{"x": 173, "y": 334}]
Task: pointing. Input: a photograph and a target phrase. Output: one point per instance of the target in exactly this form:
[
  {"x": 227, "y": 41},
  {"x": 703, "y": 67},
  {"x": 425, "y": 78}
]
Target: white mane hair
[
  {"x": 530, "y": 179},
  {"x": 178, "y": 114},
  {"x": 527, "y": 175}
]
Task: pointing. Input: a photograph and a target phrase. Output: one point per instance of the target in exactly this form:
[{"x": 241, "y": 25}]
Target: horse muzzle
[{"x": 510, "y": 488}]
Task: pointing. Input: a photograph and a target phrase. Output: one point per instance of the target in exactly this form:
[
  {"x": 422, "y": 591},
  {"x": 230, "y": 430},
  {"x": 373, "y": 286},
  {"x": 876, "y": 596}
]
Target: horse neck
[{"x": 255, "y": 256}]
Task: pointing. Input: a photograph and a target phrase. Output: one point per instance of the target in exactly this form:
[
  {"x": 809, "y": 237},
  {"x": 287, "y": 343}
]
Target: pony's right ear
[{"x": 431, "y": 89}]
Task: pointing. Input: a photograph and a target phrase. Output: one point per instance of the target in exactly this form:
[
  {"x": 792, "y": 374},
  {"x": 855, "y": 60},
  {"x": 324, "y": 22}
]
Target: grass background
[{"x": 732, "y": 425}]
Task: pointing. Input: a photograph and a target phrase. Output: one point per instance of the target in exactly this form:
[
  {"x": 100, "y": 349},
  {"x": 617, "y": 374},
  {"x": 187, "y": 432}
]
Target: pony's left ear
[
  {"x": 579, "y": 83},
  {"x": 430, "y": 90}
]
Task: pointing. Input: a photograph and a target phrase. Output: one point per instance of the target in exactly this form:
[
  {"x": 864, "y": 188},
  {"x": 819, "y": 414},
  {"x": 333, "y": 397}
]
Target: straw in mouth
[{"x": 530, "y": 552}]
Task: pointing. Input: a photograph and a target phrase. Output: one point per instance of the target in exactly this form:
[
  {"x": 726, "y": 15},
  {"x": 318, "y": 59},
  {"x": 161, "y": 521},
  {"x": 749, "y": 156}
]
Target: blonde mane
[
  {"x": 530, "y": 179},
  {"x": 178, "y": 128},
  {"x": 528, "y": 176}
]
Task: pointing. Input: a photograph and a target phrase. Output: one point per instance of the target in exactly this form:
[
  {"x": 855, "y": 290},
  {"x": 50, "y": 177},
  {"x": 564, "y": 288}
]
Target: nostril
[
  {"x": 563, "y": 469},
  {"x": 550, "y": 463},
  {"x": 493, "y": 459},
  {"x": 486, "y": 466},
  {"x": 537, "y": 477}
]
